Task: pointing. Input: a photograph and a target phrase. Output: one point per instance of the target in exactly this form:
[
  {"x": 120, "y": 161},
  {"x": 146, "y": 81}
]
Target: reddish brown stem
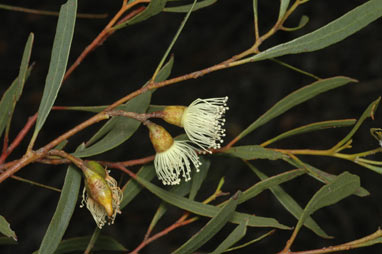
[{"x": 129, "y": 163}]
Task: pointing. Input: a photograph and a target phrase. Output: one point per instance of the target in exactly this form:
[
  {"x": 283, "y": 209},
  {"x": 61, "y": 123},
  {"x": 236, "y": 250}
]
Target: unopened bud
[
  {"x": 174, "y": 115},
  {"x": 159, "y": 137}
]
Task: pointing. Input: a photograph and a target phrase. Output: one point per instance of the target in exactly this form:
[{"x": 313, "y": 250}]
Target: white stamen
[
  {"x": 175, "y": 160},
  {"x": 203, "y": 122}
]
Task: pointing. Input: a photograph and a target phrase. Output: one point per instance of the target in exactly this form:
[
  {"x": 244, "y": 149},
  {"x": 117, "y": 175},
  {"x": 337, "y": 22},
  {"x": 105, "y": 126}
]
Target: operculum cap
[
  {"x": 159, "y": 137},
  {"x": 174, "y": 115}
]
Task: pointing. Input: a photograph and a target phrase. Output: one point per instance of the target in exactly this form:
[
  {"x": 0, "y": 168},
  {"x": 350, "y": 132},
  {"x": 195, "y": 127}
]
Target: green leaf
[
  {"x": 5, "y": 228},
  {"x": 290, "y": 204},
  {"x": 269, "y": 183},
  {"x": 198, "y": 177},
  {"x": 205, "y": 209},
  {"x": 283, "y": 8},
  {"x": 13, "y": 93},
  {"x": 303, "y": 21},
  {"x": 152, "y": 9},
  {"x": 343, "y": 186},
  {"x": 299, "y": 96},
  {"x": 252, "y": 241},
  {"x": 132, "y": 188},
  {"x": 329, "y": 34},
  {"x": 104, "y": 243},
  {"x": 64, "y": 211},
  {"x": 186, "y": 7},
  {"x": 369, "y": 112},
  {"x": 182, "y": 189},
  {"x": 211, "y": 228},
  {"x": 58, "y": 61},
  {"x": 7, "y": 241},
  {"x": 174, "y": 40},
  {"x": 310, "y": 128},
  {"x": 235, "y": 236},
  {"x": 252, "y": 152},
  {"x": 119, "y": 129},
  {"x": 322, "y": 175}
]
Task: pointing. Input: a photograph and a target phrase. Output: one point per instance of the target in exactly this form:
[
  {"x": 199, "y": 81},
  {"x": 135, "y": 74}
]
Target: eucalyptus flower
[
  {"x": 101, "y": 194},
  {"x": 173, "y": 157},
  {"x": 202, "y": 120}
]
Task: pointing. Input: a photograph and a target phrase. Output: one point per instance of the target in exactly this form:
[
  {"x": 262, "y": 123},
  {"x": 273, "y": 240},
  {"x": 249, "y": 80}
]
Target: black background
[{"x": 127, "y": 60}]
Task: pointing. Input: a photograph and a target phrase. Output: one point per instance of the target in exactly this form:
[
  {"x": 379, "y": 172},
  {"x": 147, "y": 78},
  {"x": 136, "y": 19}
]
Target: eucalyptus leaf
[
  {"x": 210, "y": 229},
  {"x": 131, "y": 189},
  {"x": 297, "y": 97},
  {"x": 7, "y": 241},
  {"x": 152, "y": 9},
  {"x": 5, "y": 228},
  {"x": 64, "y": 211},
  {"x": 205, "y": 209},
  {"x": 290, "y": 204},
  {"x": 335, "y": 31},
  {"x": 119, "y": 129},
  {"x": 283, "y": 8},
  {"x": 13, "y": 93},
  {"x": 186, "y": 7},
  {"x": 58, "y": 61},
  {"x": 233, "y": 237},
  {"x": 198, "y": 177},
  {"x": 252, "y": 152},
  {"x": 303, "y": 21},
  {"x": 343, "y": 186}
]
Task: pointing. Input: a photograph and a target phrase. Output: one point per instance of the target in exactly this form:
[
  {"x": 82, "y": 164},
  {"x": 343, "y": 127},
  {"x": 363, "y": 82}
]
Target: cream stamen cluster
[
  {"x": 203, "y": 122},
  {"x": 176, "y": 160}
]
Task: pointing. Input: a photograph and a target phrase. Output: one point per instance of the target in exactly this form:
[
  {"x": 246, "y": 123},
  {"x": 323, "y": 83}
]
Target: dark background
[{"x": 127, "y": 60}]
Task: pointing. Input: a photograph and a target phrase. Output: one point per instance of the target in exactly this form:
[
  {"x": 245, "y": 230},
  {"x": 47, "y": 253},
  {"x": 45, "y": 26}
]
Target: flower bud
[
  {"x": 159, "y": 137},
  {"x": 101, "y": 194}
]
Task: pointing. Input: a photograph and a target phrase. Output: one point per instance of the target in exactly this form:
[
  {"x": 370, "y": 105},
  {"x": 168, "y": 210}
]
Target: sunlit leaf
[
  {"x": 297, "y": 97},
  {"x": 5, "y": 228},
  {"x": 335, "y": 31},
  {"x": 58, "y": 61},
  {"x": 64, "y": 211},
  {"x": 186, "y": 7},
  {"x": 211, "y": 228}
]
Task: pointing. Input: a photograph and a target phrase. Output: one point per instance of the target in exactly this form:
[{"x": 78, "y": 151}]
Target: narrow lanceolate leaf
[
  {"x": 310, "y": 128},
  {"x": 335, "y": 31},
  {"x": 186, "y": 7},
  {"x": 233, "y": 237},
  {"x": 5, "y": 228},
  {"x": 283, "y": 8},
  {"x": 297, "y": 97},
  {"x": 269, "y": 183},
  {"x": 64, "y": 211},
  {"x": 198, "y": 177},
  {"x": 205, "y": 209},
  {"x": 290, "y": 204},
  {"x": 369, "y": 112},
  {"x": 13, "y": 93},
  {"x": 325, "y": 177},
  {"x": 58, "y": 61},
  {"x": 252, "y": 152},
  {"x": 7, "y": 241},
  {"x": 343, "y": 186},
  {"x": 211, "y": 228},
  {"x": 79, "y": 244},
  {"x": 152, "y": 9},
  {"x": 119, "y": 129},
  {"x": 132, "y": 188}
]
